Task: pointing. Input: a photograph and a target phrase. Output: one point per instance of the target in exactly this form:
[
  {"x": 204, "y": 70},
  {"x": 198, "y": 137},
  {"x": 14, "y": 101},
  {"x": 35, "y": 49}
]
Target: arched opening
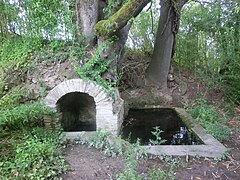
[{"x": 78, "y": 112}]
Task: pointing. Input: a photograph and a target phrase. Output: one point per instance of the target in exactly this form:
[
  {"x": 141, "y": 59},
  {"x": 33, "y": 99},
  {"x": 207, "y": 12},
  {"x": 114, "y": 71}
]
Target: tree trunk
[
  {"x": 164, "y": 46},
  {"x": 116, "y": 29},
  {"x": 3, "y": 21},
  {"x": 107, "y": 28},
  {"x": 87, "y": 17},
  {"x": 114, "y": 53}
]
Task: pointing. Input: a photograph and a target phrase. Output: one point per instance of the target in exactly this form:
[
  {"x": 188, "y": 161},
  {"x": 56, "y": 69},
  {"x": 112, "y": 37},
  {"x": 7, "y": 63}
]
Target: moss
[
  {"x": 118, "y": 20},
  {"x": 123, "y": 13},
  {"x": 102, "y": 28}
]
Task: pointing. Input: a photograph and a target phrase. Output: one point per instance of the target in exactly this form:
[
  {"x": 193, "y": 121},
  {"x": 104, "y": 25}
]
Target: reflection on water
[{"x": 140, "y": 123}]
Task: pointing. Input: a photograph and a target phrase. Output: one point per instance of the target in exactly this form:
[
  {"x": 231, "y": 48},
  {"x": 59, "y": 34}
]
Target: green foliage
[
  {"x": 2, "y": 88},
  {"x": 208, "y": 43},
  {"x": 231, "y": 81},
  {"x": 15, "y": 52},
  {"x": 45, "y": 19},
  {"x": 142, "y": 32},
  {"x": 209, "y": 118},
  {"x": 112, "y": 6},
  {"x": 37, "y": 157},
  {"x": 219, "y": 131},
  {"x": 8, "y": 14},
  {"x": 112, "y": 146},
  {"x": 23, "y": 115},
  {"x": 129, "y": 172},
  {"x": 157, "y": 173},
  {"x": 132, "y": 153},
  {"x": 157, "y": 133},
  {"x": 12, "y": 98},
  {"x": 54, "y": 51},
  {"x": 94, "y": 67}
]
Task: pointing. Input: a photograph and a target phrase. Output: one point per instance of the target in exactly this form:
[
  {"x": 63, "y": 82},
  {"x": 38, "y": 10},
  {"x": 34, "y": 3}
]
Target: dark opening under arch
[{"x": 78, "y": 112}]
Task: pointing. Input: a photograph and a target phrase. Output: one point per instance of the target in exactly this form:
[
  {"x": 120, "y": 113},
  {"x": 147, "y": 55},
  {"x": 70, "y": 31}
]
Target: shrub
[
  {"x": 26, "y": 114},
  {"x": 12, "y": 98},
  {"x": 209, "y": 118},
  {"x": 37, "y": 157}
]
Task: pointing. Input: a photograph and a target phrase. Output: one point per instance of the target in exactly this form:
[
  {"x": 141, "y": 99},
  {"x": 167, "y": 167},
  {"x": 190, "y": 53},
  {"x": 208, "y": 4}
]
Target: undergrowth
[
  {"x": 27, "y": 150},
  {"x": 13, "y": 98},
  {"x": 132, "y": 153},
  {"x": 94, "y": 67},
  {"x": 209, "y": 118},
  {"x": 22, "y": 115},
  {"x": 16, "y": 51},
  {"x": 38, "y": 156}
]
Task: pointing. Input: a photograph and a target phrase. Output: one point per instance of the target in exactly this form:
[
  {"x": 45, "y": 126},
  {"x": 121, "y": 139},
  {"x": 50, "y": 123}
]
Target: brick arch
[{"x": 106, "y": 118}]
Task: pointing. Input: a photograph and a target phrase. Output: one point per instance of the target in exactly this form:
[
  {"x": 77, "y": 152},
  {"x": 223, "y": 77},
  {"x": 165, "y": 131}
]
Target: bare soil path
[{"x": 89, "y": 164}]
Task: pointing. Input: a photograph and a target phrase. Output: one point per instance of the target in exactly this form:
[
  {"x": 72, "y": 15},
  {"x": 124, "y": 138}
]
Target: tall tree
[{"x": 165, "y": 43}]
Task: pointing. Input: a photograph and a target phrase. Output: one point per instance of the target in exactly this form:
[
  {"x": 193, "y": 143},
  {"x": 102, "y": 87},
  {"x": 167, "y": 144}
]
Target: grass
[
  {"x": 209, "y": 118},
  {"x": 36, "y": 156}
]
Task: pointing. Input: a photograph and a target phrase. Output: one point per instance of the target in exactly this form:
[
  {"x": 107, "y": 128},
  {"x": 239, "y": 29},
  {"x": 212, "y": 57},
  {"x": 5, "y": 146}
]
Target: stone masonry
[{"x": 109, "y": 111}]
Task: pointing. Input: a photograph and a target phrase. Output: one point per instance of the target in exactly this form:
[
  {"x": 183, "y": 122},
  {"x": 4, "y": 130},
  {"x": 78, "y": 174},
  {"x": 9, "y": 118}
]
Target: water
[{"x": 140, "y": 123}]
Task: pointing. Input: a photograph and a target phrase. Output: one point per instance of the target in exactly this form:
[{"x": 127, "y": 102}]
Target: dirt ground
[
  {"x": 205, "y": 168},
  {"x": 89, "y": 163}
]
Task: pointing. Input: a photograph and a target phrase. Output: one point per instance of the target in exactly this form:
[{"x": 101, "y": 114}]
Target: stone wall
[{"x": 109, "y": 112}]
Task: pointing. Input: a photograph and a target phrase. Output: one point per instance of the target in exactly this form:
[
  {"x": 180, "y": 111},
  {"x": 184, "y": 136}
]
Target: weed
[
  {"x": 157, "y": 173},
  {"x": 157, "y": 131},
  {"x": 226, "y": 155},
  {"x": 94, "y": 67},
  {"x": 113, "y": 146},
  {"x": 209, "y": 118},
  {"x": 12, "y": 98},
  {"x": 172, "y": 162},
  {"x": 26, "y": 114},
  {"x": 129, "y": 172},
  {"x": 219, "y": 131},
  {"x": 2, "y": 88},
  {"x": 15, "y": 51},
  {"x": 37, "y": 157}
]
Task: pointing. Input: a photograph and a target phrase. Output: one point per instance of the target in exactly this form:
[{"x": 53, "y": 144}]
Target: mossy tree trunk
[
  {"x": 107, "y": 28},
  {"x": 116, "y": 29},
  {"x": 165, "y": 43}
]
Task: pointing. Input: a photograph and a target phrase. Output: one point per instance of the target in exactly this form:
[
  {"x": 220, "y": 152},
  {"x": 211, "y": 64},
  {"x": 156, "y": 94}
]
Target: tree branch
[{"x": 118, "y": 20}]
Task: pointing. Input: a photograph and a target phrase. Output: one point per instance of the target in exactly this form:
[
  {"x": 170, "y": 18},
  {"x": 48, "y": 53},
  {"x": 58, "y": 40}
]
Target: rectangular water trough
[{"x": 210, "y": 147}]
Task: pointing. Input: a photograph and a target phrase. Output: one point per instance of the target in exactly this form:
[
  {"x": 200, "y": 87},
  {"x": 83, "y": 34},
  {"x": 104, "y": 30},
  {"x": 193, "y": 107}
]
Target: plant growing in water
[{"x": 157, "y": 133}]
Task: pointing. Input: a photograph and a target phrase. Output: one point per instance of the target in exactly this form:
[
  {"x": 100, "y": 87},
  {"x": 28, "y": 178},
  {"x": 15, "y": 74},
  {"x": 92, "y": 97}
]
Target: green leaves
[
  {"x": 23, "y": 115},
  {"x": 94, "y": 67},
  {"x": 15, "y": 52},
  {"x": 37, "y": 157},
  {"x": 12, "y": 98},
  {"x": 209, "y": 118},
  {"x": 36, "y": 18},
  {"x": 157, "y": 134},
  {"x": 208, "y": 43}
]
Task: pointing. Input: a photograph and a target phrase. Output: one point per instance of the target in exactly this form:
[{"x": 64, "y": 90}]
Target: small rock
[{"x": 34, "y": 81}]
